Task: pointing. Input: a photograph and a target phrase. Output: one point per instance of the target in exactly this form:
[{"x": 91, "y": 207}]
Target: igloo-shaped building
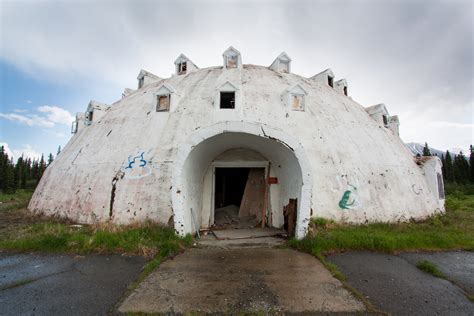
[{"x": 177, "y": 149}]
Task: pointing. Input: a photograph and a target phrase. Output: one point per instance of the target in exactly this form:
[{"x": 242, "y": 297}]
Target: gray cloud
[{"x": 415, "y": 56}]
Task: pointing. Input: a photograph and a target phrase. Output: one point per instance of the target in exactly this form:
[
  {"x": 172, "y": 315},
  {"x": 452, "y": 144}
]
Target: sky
[{"x": 416, "y": 57}]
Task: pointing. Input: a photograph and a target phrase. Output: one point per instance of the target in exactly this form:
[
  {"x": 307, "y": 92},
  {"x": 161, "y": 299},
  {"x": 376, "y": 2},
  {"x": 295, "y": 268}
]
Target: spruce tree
[
  {"x": 460, "y": 168},
  {"x": 41, "y": 168},
  {"x": 426, "y": 150},
  {"x": 50, "y": 158},
  {"x": 448, "y": 167},
  {"x": 471, "y": 163},
  {"x": 59, "y": 150},
  {"x": 3, "y": 160}
]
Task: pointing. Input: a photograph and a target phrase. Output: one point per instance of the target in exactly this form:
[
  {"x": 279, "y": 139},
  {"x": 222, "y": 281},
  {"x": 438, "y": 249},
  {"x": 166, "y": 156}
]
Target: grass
[
  {"x": 147, "y": 240},
  {"x": 430, "y": 268},
  {"x": 19, "y": 231},
  {"x": 453, "y": 230},
  {"x": 17, "y": 200}
]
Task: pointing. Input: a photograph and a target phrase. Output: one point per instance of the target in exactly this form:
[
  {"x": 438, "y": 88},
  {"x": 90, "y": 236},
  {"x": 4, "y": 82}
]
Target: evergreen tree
[
  {"x": 426, "y": 150},
  {"x": 41, "y": 167},
  {"x": 3, "y": 160},
  {"x": 50, "y": 158},
  {"x": 460, "y": 168},
  {"x": 448, "y": 167},
  {"x": 471, "y": 163},
  {"x": 59, "y": 150}
]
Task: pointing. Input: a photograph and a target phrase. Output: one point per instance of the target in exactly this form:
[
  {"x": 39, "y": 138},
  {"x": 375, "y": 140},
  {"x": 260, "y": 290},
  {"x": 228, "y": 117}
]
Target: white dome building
[{"x": 262, "y": 138}]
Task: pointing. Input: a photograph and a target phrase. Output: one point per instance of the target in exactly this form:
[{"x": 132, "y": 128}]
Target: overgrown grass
[
  {"x": 148, "y": 240},
  {"x": 17, "y": 200},
  {"x": 453, "y": 230},
  {"x": 431, "y": 268}
]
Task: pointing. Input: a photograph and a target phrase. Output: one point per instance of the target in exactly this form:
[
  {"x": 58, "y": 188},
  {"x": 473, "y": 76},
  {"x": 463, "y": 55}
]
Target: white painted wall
[{"x": 346, "y": 158}]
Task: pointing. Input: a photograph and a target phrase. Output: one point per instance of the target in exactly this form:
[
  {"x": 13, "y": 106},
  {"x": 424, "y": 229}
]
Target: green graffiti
[{"x": 344, "y": 202}]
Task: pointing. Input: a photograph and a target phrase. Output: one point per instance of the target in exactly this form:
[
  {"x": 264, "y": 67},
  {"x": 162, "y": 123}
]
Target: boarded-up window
[
  {"x": 232, "y": 61},
  {"x": 227, "y": 100},
  {"x": 297, "y": 102},
  {"x": 440, "y": 186},
  {"x": 163, "y": 103},
  {"x": 331, "y": 81}
]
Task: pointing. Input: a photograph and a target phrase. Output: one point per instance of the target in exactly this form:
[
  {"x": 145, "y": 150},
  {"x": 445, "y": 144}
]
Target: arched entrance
[{"x": 191, "y": 195}]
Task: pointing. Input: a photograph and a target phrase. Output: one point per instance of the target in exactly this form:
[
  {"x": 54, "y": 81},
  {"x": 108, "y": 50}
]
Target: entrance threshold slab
[{"x": 232, "y": 234}]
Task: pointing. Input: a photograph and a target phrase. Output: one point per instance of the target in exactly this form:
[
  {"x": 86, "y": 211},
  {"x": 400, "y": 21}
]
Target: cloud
[
  {"x": 414, "y": 56},
  {"x": 26, "y": 151},
  {"x": 53, "y": 115},
  {"x": 31, "y": 120},
  {"x": 57, "y": 115},
  {"x": 29, "y": 101}
]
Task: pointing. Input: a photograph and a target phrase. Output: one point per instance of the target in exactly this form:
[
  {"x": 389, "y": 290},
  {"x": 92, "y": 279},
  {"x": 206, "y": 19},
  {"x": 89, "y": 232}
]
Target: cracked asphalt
[
  {"x": 36, "y": 284},
  {"x": 219, "y": 280},
  {"x": 393, "y": 283}
]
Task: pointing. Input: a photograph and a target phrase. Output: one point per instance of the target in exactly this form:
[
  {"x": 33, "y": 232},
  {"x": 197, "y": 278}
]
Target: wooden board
[{"x": 254, "y": 194}]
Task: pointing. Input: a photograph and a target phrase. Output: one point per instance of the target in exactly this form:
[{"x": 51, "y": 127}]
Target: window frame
[{"x": 158, "y": 104}]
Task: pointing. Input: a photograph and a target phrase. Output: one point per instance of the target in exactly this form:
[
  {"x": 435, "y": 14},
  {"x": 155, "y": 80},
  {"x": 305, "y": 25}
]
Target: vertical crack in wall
[{"x": 117, "y": 177}]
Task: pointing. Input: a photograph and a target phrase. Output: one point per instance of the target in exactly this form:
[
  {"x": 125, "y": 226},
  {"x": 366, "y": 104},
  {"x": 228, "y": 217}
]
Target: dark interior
[
  {"x": 227, "y": 100},
  {"x": 229, "y": 186}
]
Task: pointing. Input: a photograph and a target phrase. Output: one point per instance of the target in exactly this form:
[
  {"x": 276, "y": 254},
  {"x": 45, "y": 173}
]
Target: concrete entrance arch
[{"x": 194, "y": 157}]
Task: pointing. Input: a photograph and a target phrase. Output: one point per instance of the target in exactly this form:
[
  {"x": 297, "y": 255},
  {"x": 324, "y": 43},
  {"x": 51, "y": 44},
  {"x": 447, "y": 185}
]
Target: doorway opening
[{"x": 239, "y": 197}]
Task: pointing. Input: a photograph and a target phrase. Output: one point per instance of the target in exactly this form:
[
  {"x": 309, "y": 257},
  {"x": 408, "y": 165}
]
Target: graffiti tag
[
  {"x": 137, "y": 166},
  {"x": 348, "y": 198}
]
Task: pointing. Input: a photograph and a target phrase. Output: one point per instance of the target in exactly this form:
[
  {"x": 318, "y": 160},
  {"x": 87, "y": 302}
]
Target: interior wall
[{"x": 197, "y": 171}]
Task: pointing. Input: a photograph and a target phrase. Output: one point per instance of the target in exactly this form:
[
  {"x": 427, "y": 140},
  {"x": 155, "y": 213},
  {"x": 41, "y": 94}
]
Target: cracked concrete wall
[{"x": 353, "y": 168}]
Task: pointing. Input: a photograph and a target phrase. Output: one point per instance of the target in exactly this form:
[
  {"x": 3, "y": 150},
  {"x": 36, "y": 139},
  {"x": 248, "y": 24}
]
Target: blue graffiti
[{"x": 131, "y": 161}]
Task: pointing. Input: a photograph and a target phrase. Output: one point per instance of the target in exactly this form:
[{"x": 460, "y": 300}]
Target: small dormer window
[
  {"x": 232, "y": 61},
  {"x": 284, "y": 66},
  {"x": 89, "y": 116},
  {"x": 331, "y": 81},
  {"x": 141, "y": 82},
  {"x": 182, "y": 67},
  {"x": 345, "y": 91},
  {"x": 232, "y": 58},
  {"x": 385, "y": 120},
  {"x": 227, "y": 100},
  {"x": 296, "y": 98},
  {"x": 74, "y": 127},
  {"x": 163, "y": 103}
]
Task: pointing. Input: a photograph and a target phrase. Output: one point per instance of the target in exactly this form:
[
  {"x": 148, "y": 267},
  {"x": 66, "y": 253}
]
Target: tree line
[
  {"x": 24, "y": 174},
  {"x": 456, "y": 168}
]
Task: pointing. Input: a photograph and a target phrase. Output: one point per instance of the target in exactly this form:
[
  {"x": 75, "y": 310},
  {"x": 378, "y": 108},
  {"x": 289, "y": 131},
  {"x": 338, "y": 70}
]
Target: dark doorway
[
  {"x": 239, "y": 195},
  {"x": 230, "y": 186}
]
